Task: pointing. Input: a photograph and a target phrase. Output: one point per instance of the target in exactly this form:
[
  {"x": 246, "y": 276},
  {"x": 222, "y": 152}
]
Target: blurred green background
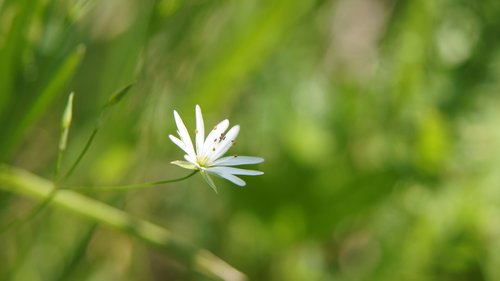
[{"x": 378, "y": 120}]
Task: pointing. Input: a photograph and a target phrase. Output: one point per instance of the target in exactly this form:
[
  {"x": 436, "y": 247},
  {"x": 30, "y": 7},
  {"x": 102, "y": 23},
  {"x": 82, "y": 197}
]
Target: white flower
[{"x": 207, "y": 156}]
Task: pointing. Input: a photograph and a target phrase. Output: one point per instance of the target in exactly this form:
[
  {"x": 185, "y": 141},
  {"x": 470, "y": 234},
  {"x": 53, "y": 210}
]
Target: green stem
[
  {"x": 33, "y": 186},
  {"x": 82, "y": 153},
  {"x": 129, "y": 186},
  {"x": 58, "y": 166},
  {"x": 113, "y": 100}
]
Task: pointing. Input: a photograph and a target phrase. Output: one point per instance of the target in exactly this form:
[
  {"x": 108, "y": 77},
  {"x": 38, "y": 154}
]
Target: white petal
[
  {"x": 213, "y": 138},
  {"x": 185, "y": 165},
  {"x": 178, "y": 142},
  {"x": 234, "y": 171},
  {"x": 225, "y": 144},
  {"x": 237, "y": 160},
  {"x": 200, "y": 131},
  {"x": 191, "y": 160},
  {"x": 234, "y": 179},
  {"x": 209, "y": 180},
  {"x": 183, "y": 133}
]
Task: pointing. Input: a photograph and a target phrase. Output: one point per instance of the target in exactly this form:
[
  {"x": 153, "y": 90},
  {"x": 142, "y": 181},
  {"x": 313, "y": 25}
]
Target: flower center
[{"x": 202, "y": 161}]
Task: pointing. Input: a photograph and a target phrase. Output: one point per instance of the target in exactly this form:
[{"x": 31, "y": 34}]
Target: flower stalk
[{"x": 130, "y": 186}]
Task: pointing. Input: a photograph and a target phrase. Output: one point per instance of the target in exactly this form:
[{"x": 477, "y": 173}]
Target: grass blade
[
  {"x": 46, "y": 97},
  {"x": 30, "y": 185},
  {"x": 12, "y": 47}
]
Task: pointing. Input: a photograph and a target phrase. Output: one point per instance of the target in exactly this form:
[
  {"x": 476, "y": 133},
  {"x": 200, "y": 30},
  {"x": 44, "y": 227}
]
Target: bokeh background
[{"x": 378, "y": 120}]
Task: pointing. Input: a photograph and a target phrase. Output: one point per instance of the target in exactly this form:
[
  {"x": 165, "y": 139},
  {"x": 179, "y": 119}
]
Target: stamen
[{"x": 213, "y": 149}]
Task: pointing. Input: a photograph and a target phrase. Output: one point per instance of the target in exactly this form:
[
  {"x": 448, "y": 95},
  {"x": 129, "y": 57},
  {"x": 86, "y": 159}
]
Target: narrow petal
[
  {"x": 185, "y": 165},
  {"x": 234, "y": 179},
  {"x": 213, "y": 138},
  {"x": 209, "y": 180},
  {"x": 226, "y": 143},
  {"x": 200, "y": 131},
  {"x": 178, "y": 142},
  {"x": 191, "y": 160},
  {"x": 237, "y": 160},
  {"x": 234, "y": 171},
  {"x": 183, "y": 133}
]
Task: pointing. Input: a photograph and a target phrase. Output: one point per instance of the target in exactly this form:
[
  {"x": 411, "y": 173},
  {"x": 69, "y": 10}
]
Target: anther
[{"x": 222, "y": 137}]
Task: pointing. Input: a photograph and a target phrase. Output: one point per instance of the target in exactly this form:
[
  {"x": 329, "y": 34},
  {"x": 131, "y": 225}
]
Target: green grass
[{"x": 377, "y": 121}]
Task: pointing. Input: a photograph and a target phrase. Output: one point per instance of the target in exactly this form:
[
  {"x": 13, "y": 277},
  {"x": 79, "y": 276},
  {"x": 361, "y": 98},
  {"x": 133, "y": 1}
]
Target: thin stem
[
  {"x": 84, "y": 150},
  {"x": 112, "y": 100},
  {"x": 58, "y": 166},
  {"x": 129, "y": 186}
]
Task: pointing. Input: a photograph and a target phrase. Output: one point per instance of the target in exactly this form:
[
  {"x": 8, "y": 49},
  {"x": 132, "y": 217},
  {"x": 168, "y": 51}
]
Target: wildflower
[{"x": 207, "y": 156}]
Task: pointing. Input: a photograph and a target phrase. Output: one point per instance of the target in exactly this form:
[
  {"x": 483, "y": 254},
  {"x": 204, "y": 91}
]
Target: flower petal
[
  {"x": 183, "y": 133},
  {"x": 213, "y": 138},
  {"x": 226, "y": 143},
  {"x": 234, "y": 179},
  {"x": 184, "y": 164},
  {"x": 200, "y": 131},
  {"x": 233, "y": 171},
  {"x": 191, "y": 160},
  {"x": 209, "y": 180},
  {"x": 237, "y": 160},
  {"x": 178, "y": 142}
]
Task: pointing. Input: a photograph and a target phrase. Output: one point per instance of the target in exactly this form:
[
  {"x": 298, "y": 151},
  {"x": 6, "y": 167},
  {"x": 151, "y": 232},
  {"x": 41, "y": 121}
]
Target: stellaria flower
[{"x": 207, "y": 156}]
